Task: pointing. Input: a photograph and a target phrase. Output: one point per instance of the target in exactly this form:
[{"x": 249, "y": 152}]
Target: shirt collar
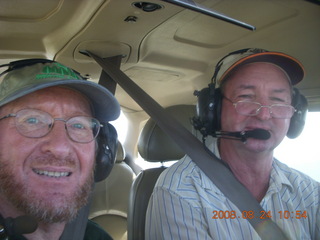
[{"x": 277, "y": 178}]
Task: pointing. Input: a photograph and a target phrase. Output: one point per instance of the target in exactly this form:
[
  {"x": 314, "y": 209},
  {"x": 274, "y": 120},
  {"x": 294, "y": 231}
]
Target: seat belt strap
[
  {"x": 75, "y": 230},
  {"x": 105, "y": 79},
  {"x": 211, "y": 166}
]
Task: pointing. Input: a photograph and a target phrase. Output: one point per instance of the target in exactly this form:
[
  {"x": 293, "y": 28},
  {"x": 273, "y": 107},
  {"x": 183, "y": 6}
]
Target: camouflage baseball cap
[{"x": 29, "y": 78}]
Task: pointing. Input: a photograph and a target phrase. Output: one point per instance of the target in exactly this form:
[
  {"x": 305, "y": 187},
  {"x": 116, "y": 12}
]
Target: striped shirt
[{"x": 185, "y": 204}]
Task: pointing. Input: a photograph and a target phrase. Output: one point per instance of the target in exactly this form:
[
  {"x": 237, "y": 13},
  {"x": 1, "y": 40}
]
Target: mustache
[{"x": 52, "y": 160}]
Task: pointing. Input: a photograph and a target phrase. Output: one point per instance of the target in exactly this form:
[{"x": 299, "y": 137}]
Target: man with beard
[{"x": 49, "y": 121}]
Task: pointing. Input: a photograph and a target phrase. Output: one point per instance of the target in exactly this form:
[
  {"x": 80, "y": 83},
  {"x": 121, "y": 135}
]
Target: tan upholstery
[
  {"x": 110, "y": 198},
  {"x": 154, "y": 146}
]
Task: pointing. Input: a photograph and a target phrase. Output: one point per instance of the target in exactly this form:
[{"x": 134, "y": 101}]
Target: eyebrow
[
  {"x": 244, "y": 86},
  {"x": 280, "y": 90}
]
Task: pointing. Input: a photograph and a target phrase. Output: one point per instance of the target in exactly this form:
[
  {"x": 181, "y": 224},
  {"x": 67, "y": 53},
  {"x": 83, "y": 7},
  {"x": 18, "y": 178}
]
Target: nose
[
  {"x": 57, "y": 141},
  {"x": 264, "y": 113}
]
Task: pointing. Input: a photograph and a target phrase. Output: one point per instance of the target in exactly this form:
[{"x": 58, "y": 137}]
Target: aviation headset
[
  {"x": 107, "y": 138},
  {"x": 208, "y": 119}
]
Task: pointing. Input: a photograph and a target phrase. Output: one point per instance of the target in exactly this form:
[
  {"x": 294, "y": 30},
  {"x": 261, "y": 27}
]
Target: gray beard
[{"x": 46, "y": 211}]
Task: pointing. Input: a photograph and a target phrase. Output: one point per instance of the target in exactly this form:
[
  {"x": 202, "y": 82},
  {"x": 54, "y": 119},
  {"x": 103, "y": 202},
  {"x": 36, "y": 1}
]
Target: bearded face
[
  {"x": 54, "y": 206},
  {"x": 50, "y": 177}
]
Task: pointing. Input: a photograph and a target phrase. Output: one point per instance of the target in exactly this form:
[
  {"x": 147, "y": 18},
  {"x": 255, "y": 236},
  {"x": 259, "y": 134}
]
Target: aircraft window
[
  {"x": 303, "y": 153},
  {"x": 121, "y": 124},
  {"x": 145, "y": 165}
]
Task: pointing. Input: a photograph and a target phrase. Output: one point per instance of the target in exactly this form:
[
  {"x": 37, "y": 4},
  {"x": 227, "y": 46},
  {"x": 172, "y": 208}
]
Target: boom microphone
[
  {"x": 258, "y": 133},
  {"x": 24, "y": 225},
  {"x": 13, "y": 227}
]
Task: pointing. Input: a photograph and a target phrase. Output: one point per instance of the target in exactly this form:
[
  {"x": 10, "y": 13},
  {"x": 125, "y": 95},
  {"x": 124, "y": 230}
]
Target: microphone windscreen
[
  {"x": 258, "y": 134},
  {"x": 24, "y": 224}
]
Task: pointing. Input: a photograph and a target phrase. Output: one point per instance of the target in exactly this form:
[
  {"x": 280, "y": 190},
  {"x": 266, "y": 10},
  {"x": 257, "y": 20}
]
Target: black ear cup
[
  {"x": 300, "y": 103},
  {"x": 107, "y": 149},
  {"x": 207, "y": 120}
]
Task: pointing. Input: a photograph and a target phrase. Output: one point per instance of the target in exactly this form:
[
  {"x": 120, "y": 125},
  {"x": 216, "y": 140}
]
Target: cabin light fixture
[{"x": 147, "y": 6}]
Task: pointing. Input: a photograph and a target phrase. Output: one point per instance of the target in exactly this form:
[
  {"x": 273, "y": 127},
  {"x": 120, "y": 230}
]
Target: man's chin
[
  {"x": 56, "y": 210},
  {"x": 47, "y": 208}
]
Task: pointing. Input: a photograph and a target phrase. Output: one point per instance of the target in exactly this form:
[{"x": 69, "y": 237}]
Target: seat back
[
  {"x": 110, "y": 198},
  {"x": 154, "y": 146}
]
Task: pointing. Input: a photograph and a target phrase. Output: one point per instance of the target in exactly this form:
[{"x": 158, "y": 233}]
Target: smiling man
[{"x": 50, "y": 119}]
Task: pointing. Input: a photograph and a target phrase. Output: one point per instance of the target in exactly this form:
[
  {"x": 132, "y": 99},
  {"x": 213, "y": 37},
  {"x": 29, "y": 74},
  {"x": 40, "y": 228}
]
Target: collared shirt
[{"x": 185, "y": 204}]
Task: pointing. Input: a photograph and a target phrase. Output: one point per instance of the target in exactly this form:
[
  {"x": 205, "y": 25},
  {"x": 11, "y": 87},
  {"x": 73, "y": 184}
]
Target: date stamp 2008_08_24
[{"x": 262, "y": 214}]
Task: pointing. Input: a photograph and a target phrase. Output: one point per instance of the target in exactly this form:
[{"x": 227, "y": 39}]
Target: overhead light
[{"x": 147, "y": 6}]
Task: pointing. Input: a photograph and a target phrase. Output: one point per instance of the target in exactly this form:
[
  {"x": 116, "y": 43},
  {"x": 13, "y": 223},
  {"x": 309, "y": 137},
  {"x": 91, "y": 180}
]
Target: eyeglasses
[
  {"x": 248, "y": 108},
  {"x": 33, "y": 123}
]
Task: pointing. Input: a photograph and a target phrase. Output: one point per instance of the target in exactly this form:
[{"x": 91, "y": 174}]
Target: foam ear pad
[
  {"x": 217, "y": 110},
  {"x": 107, "y": 149},
  {"x": 207, "y": 120},
  {"x": 300, "y": 103}
]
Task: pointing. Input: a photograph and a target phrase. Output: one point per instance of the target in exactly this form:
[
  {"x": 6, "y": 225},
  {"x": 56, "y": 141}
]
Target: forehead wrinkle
[
  {"x": 241, "y": 68},
  {"x": 50, "y": 99}
]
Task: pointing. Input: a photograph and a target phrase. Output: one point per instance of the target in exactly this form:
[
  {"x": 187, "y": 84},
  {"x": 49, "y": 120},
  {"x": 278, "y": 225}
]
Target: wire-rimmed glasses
[
  {"x": 33, "y": 123},
  {"x": 249, "y": 108}
]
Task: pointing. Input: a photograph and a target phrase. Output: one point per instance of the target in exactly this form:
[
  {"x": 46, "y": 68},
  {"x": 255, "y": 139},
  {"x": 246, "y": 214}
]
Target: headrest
[
  {"x": 121, "y": 154},
  {"x": 156, "y": 146}
]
